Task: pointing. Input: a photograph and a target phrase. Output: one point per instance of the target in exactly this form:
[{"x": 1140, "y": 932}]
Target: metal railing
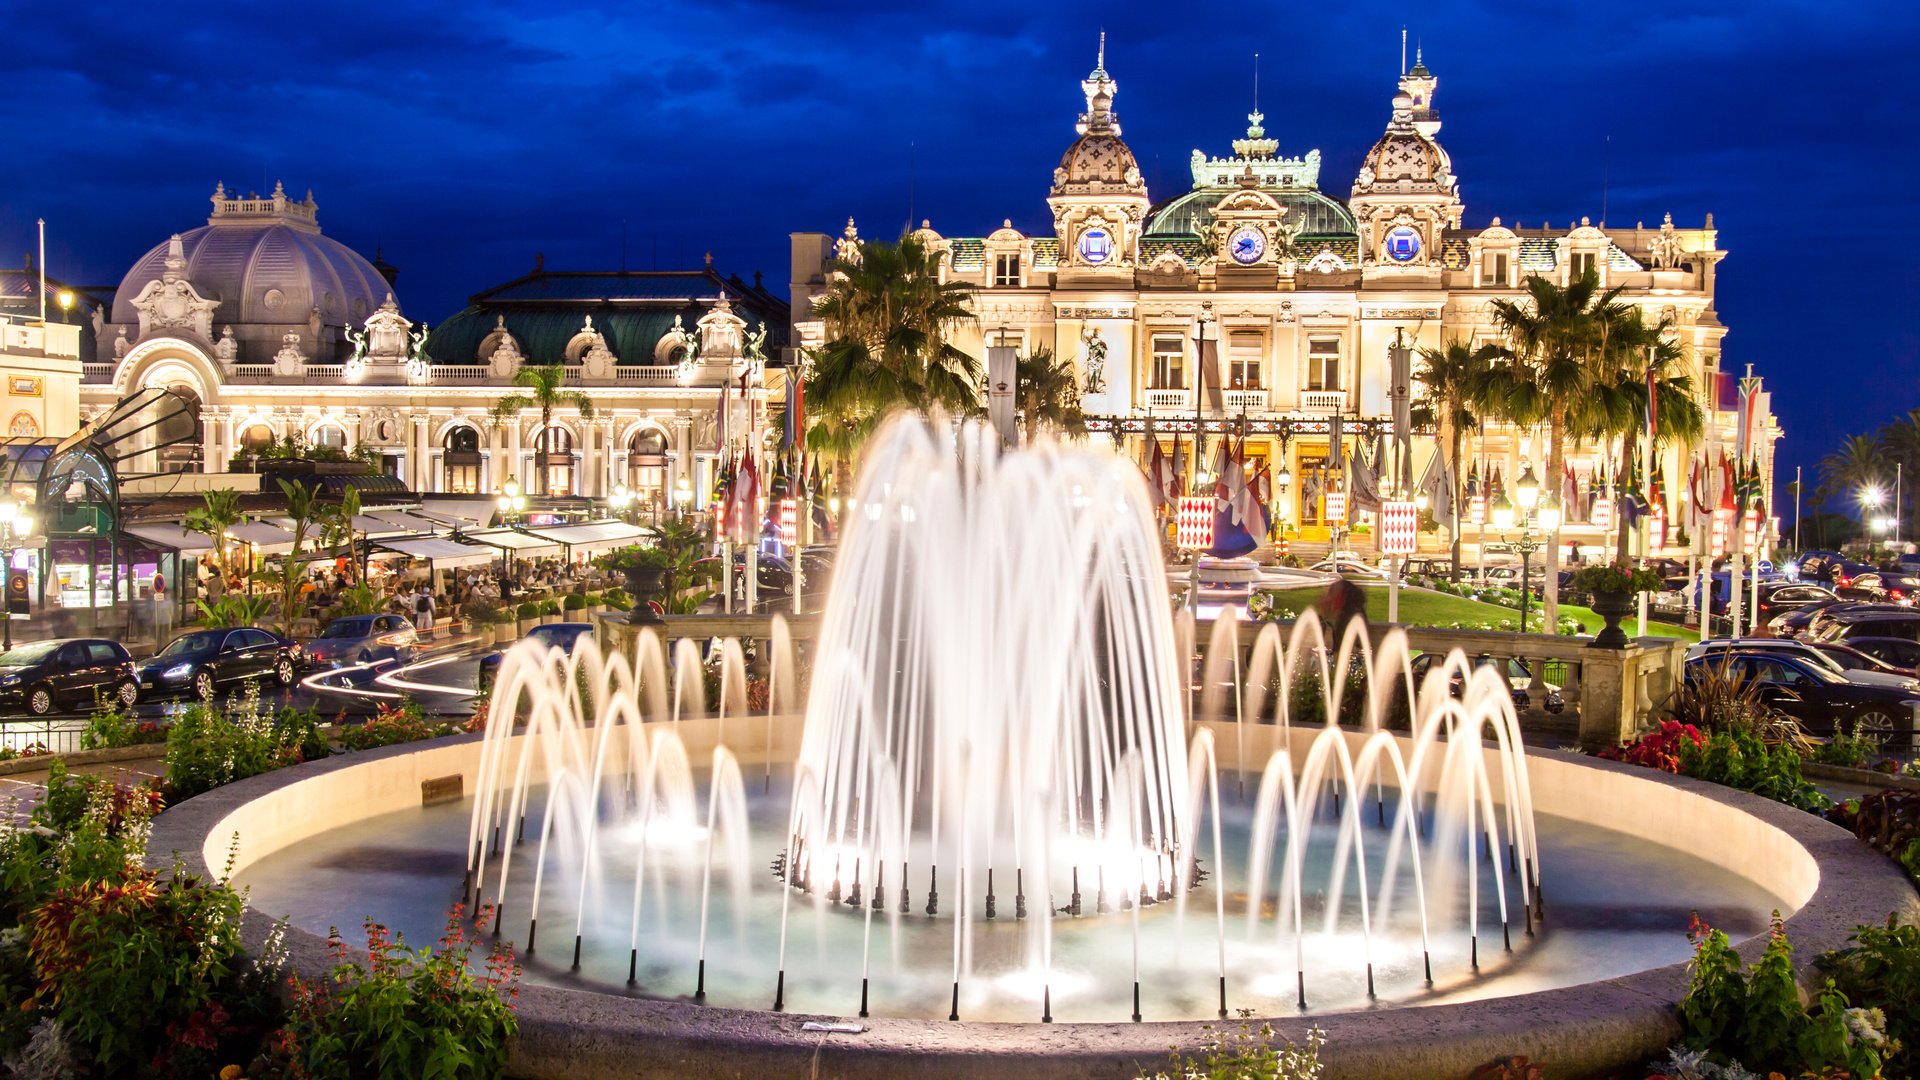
[
  {"x": 97, "y": 373},
  {"x": 44, "y": 735},
  {"x": 1323, "y": 400}
]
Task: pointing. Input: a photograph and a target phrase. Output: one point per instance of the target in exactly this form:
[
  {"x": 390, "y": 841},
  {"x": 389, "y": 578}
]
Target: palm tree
[
  {"x": 1452, "y": 381},
  {"x": 1856, "y": 466},
  {"x": 546, "y": 390},
  {"x": 889, "y": 320},
  {"x": 1559, "y": 339},
  {"x": 218, "y": 512},
  {"x": 1618, "y": 407},
  {"x": 1046, "y": 393},
  {"x": 337, "y": 531},
  {"x": 1901, "y": 440},
  {"x": 304, "y": 508}
]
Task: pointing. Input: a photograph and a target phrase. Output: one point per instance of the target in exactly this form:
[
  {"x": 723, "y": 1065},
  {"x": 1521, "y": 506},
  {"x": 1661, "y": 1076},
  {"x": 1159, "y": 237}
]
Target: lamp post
[
  {"x": 1531, "y": 512},
  {"x": 16, "y": 524},
  {"x": 621, "y": 502},
  {"x": 511, "y": 504}
]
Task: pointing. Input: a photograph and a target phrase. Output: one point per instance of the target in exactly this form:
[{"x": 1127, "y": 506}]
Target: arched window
[
  {"x": 257, "y": 437},
  {"x": 330, "y": 435},
  {"x": 553, "y": 461},
  {"x": 462, "y": 446},
  {"x": 647, "y": 467}
]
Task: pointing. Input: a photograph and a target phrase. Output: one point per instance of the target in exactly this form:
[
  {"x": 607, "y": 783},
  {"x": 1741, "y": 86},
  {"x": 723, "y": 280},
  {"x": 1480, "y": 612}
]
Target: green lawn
[{"x": 1424, "y": 607}]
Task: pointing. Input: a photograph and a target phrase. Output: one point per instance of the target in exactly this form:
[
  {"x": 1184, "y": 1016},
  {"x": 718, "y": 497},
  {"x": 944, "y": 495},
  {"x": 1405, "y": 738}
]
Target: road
[{"x": 441, "y": 681}]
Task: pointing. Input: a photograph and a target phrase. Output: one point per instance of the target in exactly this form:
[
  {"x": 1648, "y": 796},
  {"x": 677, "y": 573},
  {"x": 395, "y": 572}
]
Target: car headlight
[
  {"x": 10, "y": 680},
  {"x": 177, "y": 671}
]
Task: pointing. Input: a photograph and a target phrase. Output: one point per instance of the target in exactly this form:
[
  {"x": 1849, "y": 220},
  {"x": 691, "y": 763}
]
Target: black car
[
  {"x": 560, "y": 634},
  {"x": 1853, "y": 659},
  {"x": 198, "y": 661},
  {"x": 1792, "y": 624},
  {"x": 1821, "y": 701},
  {"x": 70, "y": 672},
  {"x": 1898, "y": 652},
  {"x": 1841, "y": 623},
  {"x": 1818, "y": 565},
  {"x": 1779, "y": 597},
  {"x": 1877, "y": 587}
]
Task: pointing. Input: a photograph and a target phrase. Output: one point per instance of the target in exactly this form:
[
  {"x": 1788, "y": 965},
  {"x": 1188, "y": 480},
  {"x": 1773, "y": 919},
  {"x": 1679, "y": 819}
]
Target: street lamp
[
  {"x": 15, "y": 524},
  {"x": 620, "y": 501},
  {"x": 1532, "y": 513}
]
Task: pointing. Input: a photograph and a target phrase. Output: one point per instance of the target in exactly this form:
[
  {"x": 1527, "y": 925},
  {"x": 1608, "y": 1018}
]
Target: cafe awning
[
  {"x": 443, "y": 554},
  {"x": 172, "y": 537},
  {"x": 592, "y": 536},
  {"x": 265, "y": 538},
  {"x": 515, "y": 541}
]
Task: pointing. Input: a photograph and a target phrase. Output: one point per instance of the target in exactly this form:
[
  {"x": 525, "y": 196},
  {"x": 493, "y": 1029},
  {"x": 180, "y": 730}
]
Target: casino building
[{"x": 1300, "y": 291}]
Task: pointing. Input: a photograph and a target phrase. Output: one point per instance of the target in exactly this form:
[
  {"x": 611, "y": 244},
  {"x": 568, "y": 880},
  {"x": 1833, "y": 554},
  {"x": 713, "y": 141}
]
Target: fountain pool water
[{"x": 1009, "y": 793}]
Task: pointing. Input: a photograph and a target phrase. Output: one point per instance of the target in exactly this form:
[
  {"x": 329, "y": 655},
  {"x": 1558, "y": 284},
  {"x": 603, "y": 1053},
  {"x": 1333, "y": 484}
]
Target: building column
[
  {"x": 210, "y": 419},
  {"x": 511, "y": 471},
  {"x": 419, "y": 462}
]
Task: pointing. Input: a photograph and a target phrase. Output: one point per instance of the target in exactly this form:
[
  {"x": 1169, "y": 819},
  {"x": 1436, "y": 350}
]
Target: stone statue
[
  {"x": 290, "y": 361},
  {"x": 313, "y": 327},
  {"x": 99, "y": 322},
  {"x": 226, "y": 349},
  {"x": 417, "y": 342},
  {"x": 756, "y": 344},
  {"x": 386, "y": 333},
  {"x": 1096, "y": 361},
  {"x": 120, "y": 345},
  {"x": 1663, "y": 251},
  {"x": 359, "y": 342}
]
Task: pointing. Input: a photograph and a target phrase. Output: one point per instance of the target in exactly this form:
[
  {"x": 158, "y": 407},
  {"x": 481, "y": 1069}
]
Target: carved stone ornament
[
  {"x": 120, "y": 345},
  {"x": 1094, "y": 313},
  {"x": 1663, "y": 251},
  {"x": 721, "y": 331},
  {"x": 226, "y": 349},
  {"x": 382, "y": 426},
  {"x": 171, "y": 303},
  {"x": 290, "y": 361},
  {"x": 387, "y": 334}
]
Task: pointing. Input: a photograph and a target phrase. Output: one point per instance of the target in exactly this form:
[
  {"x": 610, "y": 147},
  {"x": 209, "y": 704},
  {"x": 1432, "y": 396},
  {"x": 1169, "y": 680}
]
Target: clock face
[
  {"x": 1247, "y": 244},
  {"x": 1096, "y": 245},
  {"x": 1403, "y": 244}
]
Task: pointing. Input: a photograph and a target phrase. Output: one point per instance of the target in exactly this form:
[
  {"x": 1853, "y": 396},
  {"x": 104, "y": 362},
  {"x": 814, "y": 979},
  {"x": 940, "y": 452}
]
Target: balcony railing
[
  {"x": 1167, "y": 399},
  {"x": 97, "y": 373},
  {"x": 1246, "y": 399},
  {"x": 459, "y": 373},
  {"x": 649, "y": 374},
  {"x": 1323, "y": 400}
]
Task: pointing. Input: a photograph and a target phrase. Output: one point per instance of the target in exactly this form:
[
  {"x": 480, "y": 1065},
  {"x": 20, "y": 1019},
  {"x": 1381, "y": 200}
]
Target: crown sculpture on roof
[
  {"x": 596, "y": 360},
  {"x": 171, "y": 305}
]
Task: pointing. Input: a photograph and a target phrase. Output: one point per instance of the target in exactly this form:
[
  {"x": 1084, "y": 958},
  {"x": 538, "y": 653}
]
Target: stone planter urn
[
  {"x": 1611, "y": 606},
  {"x": 644, "y": 586}
]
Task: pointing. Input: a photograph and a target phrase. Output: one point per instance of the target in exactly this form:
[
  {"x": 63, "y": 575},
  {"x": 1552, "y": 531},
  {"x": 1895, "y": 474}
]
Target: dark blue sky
[{"x": 464, "y": 137}]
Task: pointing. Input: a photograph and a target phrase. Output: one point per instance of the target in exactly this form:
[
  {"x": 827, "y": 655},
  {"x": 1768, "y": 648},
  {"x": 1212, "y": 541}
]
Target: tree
[
  {"x": 304, "y": 509},
  {"x": 1618, "y": 405},
  {"x": 686, "y": 545},
  {"x": 337, "y": 531},
  {"x": 218, "y": 512},
  {"x": 1901, "y": 441},
  {"x": 1046, "y": 394},
  {"x": 1856, "y": 466},
  {"x": 889, "y": 325},
  {"x": 1452, "y": 383},
  {"x": 546, "y": 390},
  {"x": 1559, "y": 338}
]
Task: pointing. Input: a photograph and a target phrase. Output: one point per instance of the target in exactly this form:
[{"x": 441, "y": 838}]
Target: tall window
[
  {"x": 1244, "y": 350},
  {"x": 1006, "y": 271},
  {"x": 1323, "y": 364},
  {"x": 462, "y": 446},
  {"x": 1169, "y": 362},
  {"x": 1493, "y": 269},
  {"x": 553, "y": 462},
  {"x": 647, "y": 467},
  {"x": 331, "y": 435},
  {"x": 1584, "y": 263}
]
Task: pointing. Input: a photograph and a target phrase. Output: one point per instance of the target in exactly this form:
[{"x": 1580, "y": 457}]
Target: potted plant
[
  {"x": 529, "y": 616},
  {"x": 1614, "y": 586},
  {"x": 574, "y": 605},
  {"x": 645, "y": 569},
  {"x": 549, "y": 610}
]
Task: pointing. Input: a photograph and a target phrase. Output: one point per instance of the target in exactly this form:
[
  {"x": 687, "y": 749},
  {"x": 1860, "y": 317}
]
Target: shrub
[
  {"x": 1881, "y": 969},
  {"x": 1248, "y": 1054},
  {"x": 407, "y": 1012},
  {"x": 208, "y": 746},
  {"x": 1755, "y": 1015},
  {"x": 528, "y": 610},
  {"x": 481, "y": 611},
  {"x": 573, "y": 602},
  {"x": 1847, "y": 749},
  {"x": 549, "y": 607},
  {"x": 1888, "y": 821},
  {"x": 1616, "y": 577},
  {"x": 391, "y": 724},
  {"x": 1716, "y": 697},
  {"x": 1742, "y": 760},
  {"x": 617, "y": 597},
  {"x": 1656, "y": 749},
  {"x": 121, "y": 961}
]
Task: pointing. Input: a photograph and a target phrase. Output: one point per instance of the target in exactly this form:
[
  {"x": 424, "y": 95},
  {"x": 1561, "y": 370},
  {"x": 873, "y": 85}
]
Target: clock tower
[
  {"x": 1252, "y": 241},
  {"x": 1406, "y": 195},
  {"x": 1098, "y": 198}
]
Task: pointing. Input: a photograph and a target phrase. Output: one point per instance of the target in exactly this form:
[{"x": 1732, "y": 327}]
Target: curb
[
  {"x": 38, "y": 762},
  {"x": 1864, "y": 777}
]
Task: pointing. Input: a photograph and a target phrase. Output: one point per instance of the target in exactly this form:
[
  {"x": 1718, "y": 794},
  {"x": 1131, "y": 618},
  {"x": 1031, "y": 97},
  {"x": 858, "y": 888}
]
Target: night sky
[{"x": 463, "y": 138}]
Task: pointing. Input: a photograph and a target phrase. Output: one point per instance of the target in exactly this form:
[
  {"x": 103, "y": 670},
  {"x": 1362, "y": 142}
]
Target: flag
[
  {"x": 1653, "y": 400},
  {"x": 1726, "y": 390},
  {"x": 1696, "y": 494},
  {"x": 795, "y": 429},
  {"x": 1437, "y": 484},
  {"x": 1210, "y": 375},
  {"x": 1364, "y": 487},
  {"x": 1159, "y": 473},
  {"x": 1336, "y": 446},
  {"x": 1179, "y": 469}
]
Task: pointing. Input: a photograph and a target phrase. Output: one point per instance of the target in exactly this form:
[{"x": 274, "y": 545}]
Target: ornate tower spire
[{"x": 1099, "y": 88}]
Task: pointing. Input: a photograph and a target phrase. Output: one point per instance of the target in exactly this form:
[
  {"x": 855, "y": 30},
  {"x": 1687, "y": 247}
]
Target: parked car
[
  {"x": 1793, "y": 624},
  {"x": 1428, "y": 567},
  {"x": 1838, "y": 623},
  {"x": 1899, "y": 652},
  {"x": 1806, "y": 651},
  {"x": 42, "y": 676},
  {"x": 776, "y": 573},
  {"x": 1779, "y": 597},
  {"x": 1349, "y": 567},
  {"x": 363, "y": 639},
  {"x": 561, "y": 634},
  {"x": 1842, "y": 573},
  {"x": 199, "y": 661},
  {"x": 1854, "y": 660},
  {"x": 1514, "y": 672},
  {"x": 1823, "y": 703},
  {"x": 1815, "y": 565},
  {"x": 1878, "y": 587}
]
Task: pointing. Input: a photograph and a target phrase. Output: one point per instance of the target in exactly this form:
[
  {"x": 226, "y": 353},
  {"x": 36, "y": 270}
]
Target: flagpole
[
  {"x": 1646, "y": 477},
  {"x": 1796, "y": 510}
]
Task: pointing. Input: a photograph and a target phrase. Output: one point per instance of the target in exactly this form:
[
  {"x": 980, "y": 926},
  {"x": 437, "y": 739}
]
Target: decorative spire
[{"x": 1099, "y": 88}]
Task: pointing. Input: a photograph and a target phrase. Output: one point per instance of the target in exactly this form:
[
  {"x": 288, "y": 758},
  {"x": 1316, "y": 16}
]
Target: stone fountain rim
[{"x": 1577, "y": 1029}]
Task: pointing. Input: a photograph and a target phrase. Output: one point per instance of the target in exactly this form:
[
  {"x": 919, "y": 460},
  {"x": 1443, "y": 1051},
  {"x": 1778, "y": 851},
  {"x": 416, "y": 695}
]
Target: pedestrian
[{"x": 423, "y": 609}]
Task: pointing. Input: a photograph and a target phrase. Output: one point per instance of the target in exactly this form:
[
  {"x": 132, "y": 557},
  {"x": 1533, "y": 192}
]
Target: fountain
[{"x": 1001, "y": 781}]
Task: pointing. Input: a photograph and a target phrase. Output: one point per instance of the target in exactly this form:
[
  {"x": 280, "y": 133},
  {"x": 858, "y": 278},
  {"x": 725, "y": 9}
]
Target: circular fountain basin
[{"x": 1628, "y": 855}]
